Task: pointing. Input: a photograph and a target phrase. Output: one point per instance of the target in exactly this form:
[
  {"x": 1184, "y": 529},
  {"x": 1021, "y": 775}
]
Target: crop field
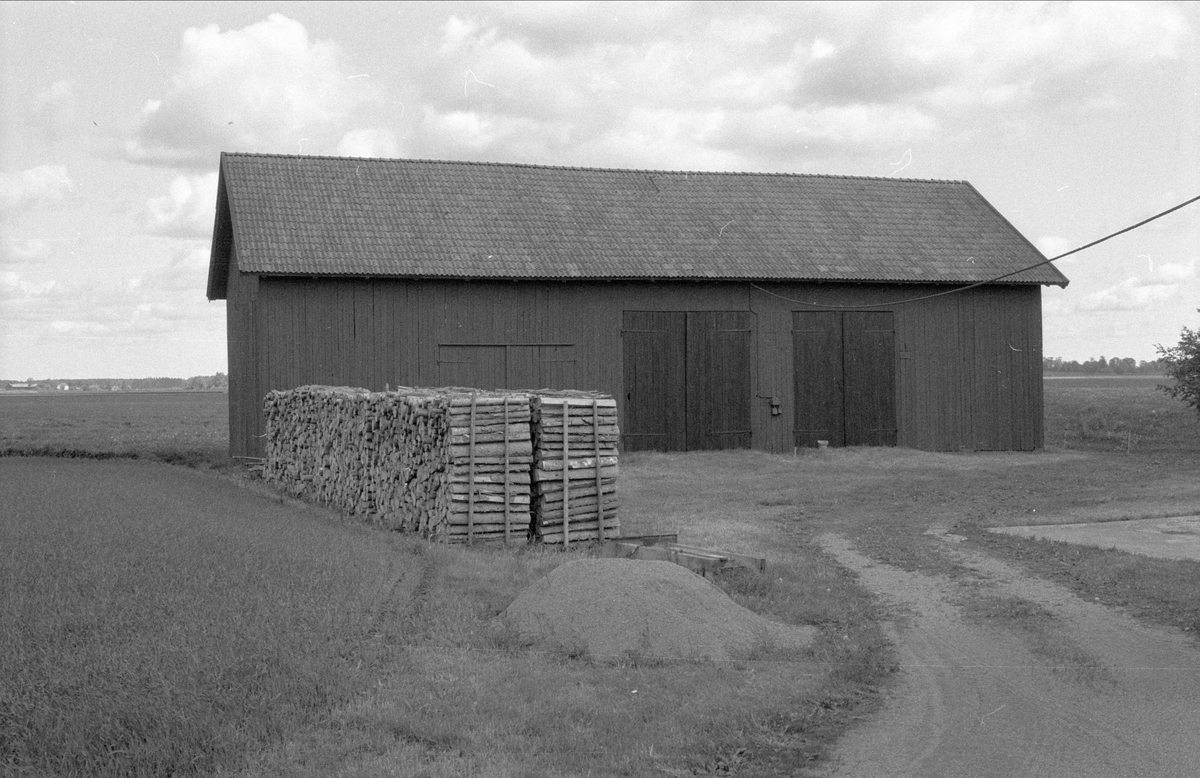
[
  {"x": 188, "y": 620},
  {"x": 1117, "y": 413},
  {"x": 180, "y": 427}
]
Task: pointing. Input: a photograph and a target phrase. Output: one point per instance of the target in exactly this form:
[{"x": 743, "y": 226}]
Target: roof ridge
[{"x": 536, "y": 166}]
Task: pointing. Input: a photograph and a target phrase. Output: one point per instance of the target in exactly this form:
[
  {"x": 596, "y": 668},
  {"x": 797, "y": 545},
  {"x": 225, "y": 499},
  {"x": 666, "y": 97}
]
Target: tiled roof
[{"x": 318, "y": 216}]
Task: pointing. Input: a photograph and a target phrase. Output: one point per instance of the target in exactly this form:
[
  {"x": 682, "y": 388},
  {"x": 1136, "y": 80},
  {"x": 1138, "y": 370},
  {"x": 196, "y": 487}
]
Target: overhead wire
[{"x": 977, "y": 284}]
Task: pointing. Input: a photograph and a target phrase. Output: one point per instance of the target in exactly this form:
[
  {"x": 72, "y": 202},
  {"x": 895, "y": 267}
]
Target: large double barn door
[
  {"x": 845, "y": 378},
  {"x": 687, "y": 380}
]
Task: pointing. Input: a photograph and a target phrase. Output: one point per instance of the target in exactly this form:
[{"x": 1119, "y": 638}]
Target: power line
[{"x": 1130, "y": 228}]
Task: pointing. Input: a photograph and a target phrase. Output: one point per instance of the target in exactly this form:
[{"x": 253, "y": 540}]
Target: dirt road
[{"x": 1108, "y": 696}]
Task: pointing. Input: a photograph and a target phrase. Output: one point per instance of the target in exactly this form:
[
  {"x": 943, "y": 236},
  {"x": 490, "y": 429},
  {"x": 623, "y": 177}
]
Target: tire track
[{"x": 976, "y": 701}]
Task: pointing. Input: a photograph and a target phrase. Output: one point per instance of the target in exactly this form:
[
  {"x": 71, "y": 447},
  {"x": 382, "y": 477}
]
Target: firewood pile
[
  {"x": 444, "y": 463},
  {"x": 575, "y": 467},
  {"x": 453, "y": 464},
  {"x": 490, "y": 456}
]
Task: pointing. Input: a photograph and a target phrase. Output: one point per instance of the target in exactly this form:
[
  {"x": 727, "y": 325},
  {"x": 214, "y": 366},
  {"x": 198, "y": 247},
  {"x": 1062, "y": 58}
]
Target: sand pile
[{"x": 612, "y": 608}]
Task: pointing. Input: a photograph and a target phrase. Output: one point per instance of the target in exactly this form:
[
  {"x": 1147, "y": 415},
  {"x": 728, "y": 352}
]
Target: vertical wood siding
[
  {"x": 868, "y": 342},
  {"x": 818, "y": 378},
  {"x": 719, "y": 384},
  {"x": 655, "y": 380},
  {"x": 967, "y": 367},
  {"x": 245, "y": 358}
]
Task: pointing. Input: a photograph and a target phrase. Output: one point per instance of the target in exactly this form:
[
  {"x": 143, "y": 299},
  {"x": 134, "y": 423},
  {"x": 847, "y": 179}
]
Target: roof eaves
[{"x": 222, "y": 242}]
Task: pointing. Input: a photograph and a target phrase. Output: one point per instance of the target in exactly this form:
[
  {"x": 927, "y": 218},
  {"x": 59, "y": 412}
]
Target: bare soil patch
[
  {"x": 622, "y": 609},
  {"x": 1108, "y": 696}
]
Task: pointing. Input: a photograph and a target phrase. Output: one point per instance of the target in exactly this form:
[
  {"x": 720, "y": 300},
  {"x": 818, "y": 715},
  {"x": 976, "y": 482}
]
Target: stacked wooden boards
[
  {"x": 449, "y": 464},
  {"x": 575, "y": 467},
  {"x": 453, "y": 464}
]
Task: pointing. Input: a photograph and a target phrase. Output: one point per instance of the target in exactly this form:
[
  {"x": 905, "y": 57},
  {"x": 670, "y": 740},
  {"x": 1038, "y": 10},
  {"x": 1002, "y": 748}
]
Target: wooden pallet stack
[
  {"x": 449, "y": 464},
  {"x": 575, "y": 467}
]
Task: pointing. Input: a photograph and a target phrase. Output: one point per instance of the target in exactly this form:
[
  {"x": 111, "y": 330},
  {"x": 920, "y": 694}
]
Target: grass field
[
  {"x": 291, "y": 659},
  {"x": 1117, "y": 413},
  {"x": 190, "y": 428},
  {"x": 226, "y": 639}
]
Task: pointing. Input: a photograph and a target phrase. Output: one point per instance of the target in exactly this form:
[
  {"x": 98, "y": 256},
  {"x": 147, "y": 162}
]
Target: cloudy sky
[{"x": 1074, "y": 120}]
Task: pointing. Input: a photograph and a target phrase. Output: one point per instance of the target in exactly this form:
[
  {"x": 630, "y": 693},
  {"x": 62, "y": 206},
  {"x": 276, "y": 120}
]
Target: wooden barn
[{"x": 723, "y": 310}]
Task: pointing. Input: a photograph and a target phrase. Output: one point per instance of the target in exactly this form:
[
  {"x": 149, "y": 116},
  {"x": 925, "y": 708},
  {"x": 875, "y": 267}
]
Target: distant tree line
[
  {"x": 1102, "y": 366},
  {"x": 209, "y": 383}
]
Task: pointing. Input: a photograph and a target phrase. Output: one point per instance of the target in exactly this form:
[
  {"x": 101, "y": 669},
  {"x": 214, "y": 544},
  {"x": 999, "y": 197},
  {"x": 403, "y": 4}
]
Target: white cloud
[
  {"x": 187, "y": 210},
  {"x": 472, "y": 132},
  {"x": 822, "y": 49},
  {"x": 186, "y": 274},
  {"x": 36, "y": 186},
  {"x": 1129, "y": 295},
  {"x": 24, "y": 250},
  {"x": 369, "y": 142},
  {"x": 1053, "y": 245},
  {"x": 566, "y": 26},
  {"x": 784, "y": 130},
  {"x": 264, "y": 88},
  {"x": 1065, "y": 53},
  {"x": 17, "y": 293},
  {"x": 455, "y": 34},
  {"x": 166, "y": 296},
  {"x": 53, "y": 111},
  {"x": 767, "y": 86},
  {"x": 1173, "y": 272}
]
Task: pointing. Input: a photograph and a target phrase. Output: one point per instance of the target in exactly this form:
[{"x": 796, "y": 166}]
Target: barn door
[
  {"x": 687, "y": 380},
  {"x": 819, "y": 387},
  {"x": 869, "y": 375},
  {"x": 654, "y": 360},
  {"x": 845, "y": 385},
  {"x": 718, "y": 380}
]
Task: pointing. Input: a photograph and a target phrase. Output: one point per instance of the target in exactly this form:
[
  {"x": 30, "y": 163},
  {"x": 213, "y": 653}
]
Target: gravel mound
[{"x": 614, "y": 608}]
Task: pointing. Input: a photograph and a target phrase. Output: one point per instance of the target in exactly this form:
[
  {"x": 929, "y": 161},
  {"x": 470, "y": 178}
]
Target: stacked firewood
[
  {"x": 449, "y": 464},
  {"x": 490, "y": 456},
  {"x": 575, "y": 467}
]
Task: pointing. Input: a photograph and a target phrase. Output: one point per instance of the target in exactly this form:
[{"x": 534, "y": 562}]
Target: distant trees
[
  {"x": 1182, "y": 362},
  {"x": 1102, "y": 366},
  {"x": 207, "y": 382}
]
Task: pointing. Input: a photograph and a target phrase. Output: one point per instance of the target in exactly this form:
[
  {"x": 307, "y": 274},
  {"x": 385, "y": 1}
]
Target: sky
[{"x": 1073, "y": 119}]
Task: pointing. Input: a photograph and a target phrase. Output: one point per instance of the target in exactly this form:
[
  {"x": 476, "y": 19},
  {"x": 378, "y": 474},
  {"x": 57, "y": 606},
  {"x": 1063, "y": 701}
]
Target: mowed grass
[
  {"x": 1151, "y": 451},
  {"x": 466, "y": 698},
  {"x": 160, "y": 621},
  {"x": 189, "y": 428}
]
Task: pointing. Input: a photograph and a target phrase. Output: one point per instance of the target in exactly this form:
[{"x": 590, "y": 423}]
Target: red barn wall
[{"x": 967, "y": 365}]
